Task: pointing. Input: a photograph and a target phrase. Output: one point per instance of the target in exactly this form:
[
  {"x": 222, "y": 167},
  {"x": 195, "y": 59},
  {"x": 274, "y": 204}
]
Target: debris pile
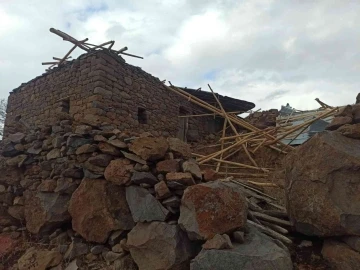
[
  {"x": 263, "y": 119},
  {"x": 104, "y": 198}
]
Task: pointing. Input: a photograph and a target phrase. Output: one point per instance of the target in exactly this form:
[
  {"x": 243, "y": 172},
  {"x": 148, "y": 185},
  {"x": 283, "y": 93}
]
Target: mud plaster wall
[{"x": 100, "y": 89}]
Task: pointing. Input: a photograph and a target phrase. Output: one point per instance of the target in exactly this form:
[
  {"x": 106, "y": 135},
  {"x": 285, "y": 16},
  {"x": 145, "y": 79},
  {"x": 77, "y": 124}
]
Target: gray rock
[
  {"x": 144, "y": 206},
  {"x": 74, "y": 265},
  {"x": 144, "y": 178},
  {"x": 16, "y": 137},
  {"x": 158, "y": 245},
  {"x": 192, "y": 167},
  {"x": 76, "y": 249},
  {"x": 173, "y": 201},
  {"x": 112, "y": 256},
  {"x": 117, "y": 248},
  {"x": 91, "y": 175},
  {"x": 353, "y": 242},
  {"x": 239, "y": 237},
  {"x": 259, "y": 252},
  {"x": 44, "y": 211},
  {"x": 125, "y": 263},
  {"x": 53, "y": 154},
  {"x": 96, "y": 250},
  {"x": 9, "y": 150},
  {"x": 76, "y": 141},
  {"x": 218, "y": 242},
  {"x": 133, "y": 157},
  {"x": 116, "y": 236}
]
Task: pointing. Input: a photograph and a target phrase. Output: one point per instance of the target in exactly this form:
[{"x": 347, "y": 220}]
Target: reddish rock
[
  {"x": 149, "y": 148},
  {"x": 119, "y": 171},
  {"x": 209, "y": 175},
  {"x": 180, "y": 178},
  {"x": 322, "y": 185},
  {"x": 161, "y": 190},
  {"x": 205, "y": 210},
  {"x": 179, "y": 148},
  {"x": 99, "y": 207},
  {"x": 108, "y": 149},
  {"x": 7, "y": 244},
  {"x": 339, "y": 121},
  {"x": 169, "y": 165},
  {"x": 340, "y": 256}
]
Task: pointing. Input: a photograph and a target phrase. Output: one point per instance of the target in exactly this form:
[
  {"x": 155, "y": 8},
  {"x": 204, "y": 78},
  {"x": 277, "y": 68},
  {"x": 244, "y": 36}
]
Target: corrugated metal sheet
[{"x": 299, "y": 118}]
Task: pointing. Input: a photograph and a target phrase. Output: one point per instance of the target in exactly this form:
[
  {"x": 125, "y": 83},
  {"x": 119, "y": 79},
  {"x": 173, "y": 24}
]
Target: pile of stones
[{"x": 102, "y": 199}]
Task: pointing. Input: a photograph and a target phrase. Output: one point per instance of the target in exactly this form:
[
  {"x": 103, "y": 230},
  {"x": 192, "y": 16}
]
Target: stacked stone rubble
[{"x": 121, "y": 200}]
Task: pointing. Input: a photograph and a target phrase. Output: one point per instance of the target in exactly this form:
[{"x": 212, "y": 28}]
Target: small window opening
[
  {"x": 142, "y": 117},
  {"x": 65, "y": 106},
  {"x": 17, "y": 118}
]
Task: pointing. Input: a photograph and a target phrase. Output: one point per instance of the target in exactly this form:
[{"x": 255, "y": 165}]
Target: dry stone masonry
[
  {"x": 118, "y": 199},
  {"x": 100, "y": 89}
]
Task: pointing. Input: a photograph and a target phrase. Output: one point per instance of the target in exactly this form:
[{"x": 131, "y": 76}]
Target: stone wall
[{"x": 100, "y": 89}]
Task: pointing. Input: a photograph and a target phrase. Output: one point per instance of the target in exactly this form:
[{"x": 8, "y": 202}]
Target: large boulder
[
  {"x": 322, "y": 186},
  {"x": 212, "y": 208},
  {"x": 149, "y": 148},
  {"x": 158, "y": 245},
  {"x": 144, "y": 206},
  {"x": 340, "y": 256},
  {"x": 45, "y": 210},
  {"x": 99, "y": 207},
  {"x": 258, "y": 252}
]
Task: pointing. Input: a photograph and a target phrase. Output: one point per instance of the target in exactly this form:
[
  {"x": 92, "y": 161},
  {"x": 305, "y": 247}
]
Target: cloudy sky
[{"x": 267, "y": 52}]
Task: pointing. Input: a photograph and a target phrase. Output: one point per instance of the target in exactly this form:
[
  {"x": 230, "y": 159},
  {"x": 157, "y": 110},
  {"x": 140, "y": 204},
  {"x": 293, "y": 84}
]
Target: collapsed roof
[{"x": 229, "y": 104}]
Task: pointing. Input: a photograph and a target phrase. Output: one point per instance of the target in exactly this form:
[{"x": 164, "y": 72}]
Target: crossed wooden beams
[{"x": 84, "y": 45}]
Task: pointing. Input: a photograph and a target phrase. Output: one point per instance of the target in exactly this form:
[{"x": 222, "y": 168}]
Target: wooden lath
[
  {"x": 248, "y": 142},
  {"x": 84, "y": 45}
]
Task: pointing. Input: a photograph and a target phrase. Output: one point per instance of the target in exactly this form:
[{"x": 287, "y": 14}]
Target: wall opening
[
  {"x": 142, "y": 117},
  {"x": 17, "y": 118},
  {"x": 183, "y": 124}
]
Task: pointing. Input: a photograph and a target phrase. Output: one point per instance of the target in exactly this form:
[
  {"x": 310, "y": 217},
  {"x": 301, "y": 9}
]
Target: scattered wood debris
[{"x": 84, "y": 45}]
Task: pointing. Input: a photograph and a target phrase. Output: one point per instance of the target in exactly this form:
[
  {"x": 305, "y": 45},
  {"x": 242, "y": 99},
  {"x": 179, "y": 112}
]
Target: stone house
[{"x": 99, "y": 89}]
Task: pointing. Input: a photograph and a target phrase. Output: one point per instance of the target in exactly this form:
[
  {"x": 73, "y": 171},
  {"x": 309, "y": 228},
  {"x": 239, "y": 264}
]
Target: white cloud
[{"x": 267, "y": 52}]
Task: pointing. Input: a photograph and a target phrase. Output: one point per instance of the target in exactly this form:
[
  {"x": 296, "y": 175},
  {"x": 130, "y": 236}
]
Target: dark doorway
[{"x": 183, "y": 124}]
